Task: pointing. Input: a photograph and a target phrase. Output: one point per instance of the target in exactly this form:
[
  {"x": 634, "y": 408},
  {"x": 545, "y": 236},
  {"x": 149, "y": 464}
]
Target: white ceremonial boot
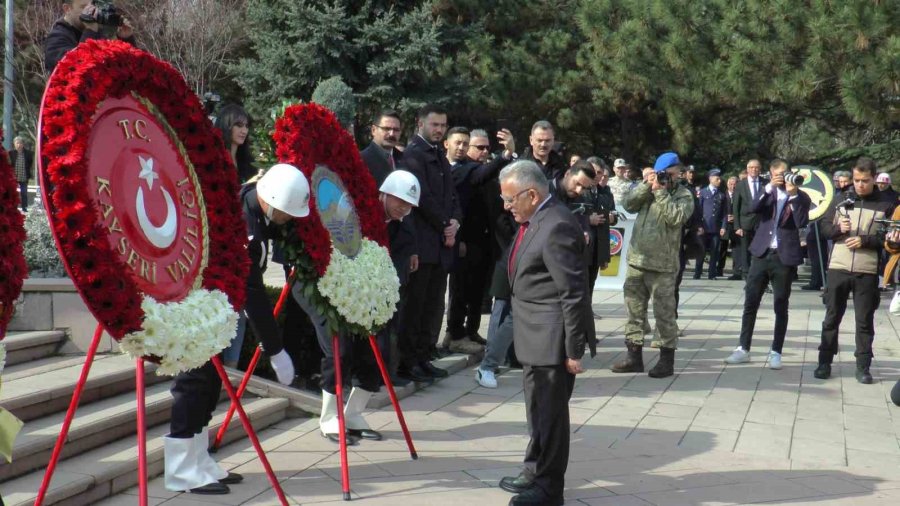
[
  {"x": 208, "y": 466},
  {"x": 328, "y": 420},
  {"x": 356, "y": 424},
  {"x": 182, "y": 472}
]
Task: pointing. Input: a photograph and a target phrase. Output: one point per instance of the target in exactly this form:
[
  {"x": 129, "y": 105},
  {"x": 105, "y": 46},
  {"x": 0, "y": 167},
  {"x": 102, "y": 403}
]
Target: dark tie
[
  {"x": 515, "y": 248},
  {"x": 391, "y": 160}
]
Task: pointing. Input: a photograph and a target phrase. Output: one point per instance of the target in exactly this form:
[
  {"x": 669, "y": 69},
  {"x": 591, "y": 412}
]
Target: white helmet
[
  {"x": 403, "y": 185},
  {"x": 284, "y": 187}
]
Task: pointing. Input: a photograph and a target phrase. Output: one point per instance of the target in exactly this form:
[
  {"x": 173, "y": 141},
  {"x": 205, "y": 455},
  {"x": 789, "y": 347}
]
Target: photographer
[
  {"x": 663, "y": 207},
  {"x": 854, "y": 267},
  {"x": 571, "y": 189},
  {"x": 81, "y": 21},
  {"x": 782, "y": 210}
]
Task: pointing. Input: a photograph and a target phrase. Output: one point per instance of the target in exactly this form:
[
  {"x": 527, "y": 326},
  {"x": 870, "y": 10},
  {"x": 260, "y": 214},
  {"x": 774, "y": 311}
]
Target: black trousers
[
  {"x": 866, "y": 299},
  {"x": 196, "y": 393},
  {"x": 746, "y": 256},
  {"x": 764, "y": 270},
  {"x": 813, "y": 251},
  {"x": 358, "y": 365},
  {"x": 547, "y": 393},
  {"x": 711, "y": 246},
  {"x": 467, "y": 286},
  {"x": 682, "y": 265},
  {"x": 424, "y": 306}
]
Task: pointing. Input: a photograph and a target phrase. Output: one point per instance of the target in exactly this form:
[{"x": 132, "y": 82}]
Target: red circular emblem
[
  {"x": 616, "y": 241},
  {"x": 148, "y": 198}
]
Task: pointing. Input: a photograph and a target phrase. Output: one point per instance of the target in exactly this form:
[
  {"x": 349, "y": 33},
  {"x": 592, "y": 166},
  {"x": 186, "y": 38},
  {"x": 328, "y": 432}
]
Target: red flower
[{"x": 12, "y": 236}]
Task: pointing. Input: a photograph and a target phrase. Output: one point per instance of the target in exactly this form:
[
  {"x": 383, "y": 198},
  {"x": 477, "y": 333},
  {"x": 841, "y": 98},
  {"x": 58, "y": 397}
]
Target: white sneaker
[
  {"x": 485, "y": 378},
  {"x": 774, "y": 360},
  {"x": 738, "y": 356}
]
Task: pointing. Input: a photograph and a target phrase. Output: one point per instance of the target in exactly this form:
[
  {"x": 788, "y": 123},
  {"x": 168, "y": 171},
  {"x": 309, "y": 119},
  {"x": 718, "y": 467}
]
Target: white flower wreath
[
  {"x": 184, "y": 334},
  {"x": 365, "y": 289}
]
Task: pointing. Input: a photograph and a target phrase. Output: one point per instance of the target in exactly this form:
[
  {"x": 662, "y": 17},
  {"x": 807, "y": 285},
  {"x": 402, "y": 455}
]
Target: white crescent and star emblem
[{"x": 164, "y": 235}]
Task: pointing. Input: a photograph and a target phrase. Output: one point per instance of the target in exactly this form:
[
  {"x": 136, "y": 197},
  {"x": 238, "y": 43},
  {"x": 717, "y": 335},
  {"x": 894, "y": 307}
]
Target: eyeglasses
[
  {"x": 387, "y": 129},
  {"x": 510, "y": 200},
  {"x": 482, "y": 148}
]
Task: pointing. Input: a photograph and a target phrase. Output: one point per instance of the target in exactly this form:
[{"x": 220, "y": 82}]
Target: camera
[
  {"x": 662, "y": 177},
  {"x": 106, "y": 14},
  {"x": 793, "y": 178}
]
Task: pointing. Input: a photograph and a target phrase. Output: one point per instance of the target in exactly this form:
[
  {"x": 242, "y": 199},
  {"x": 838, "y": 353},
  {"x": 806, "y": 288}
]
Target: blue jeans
[
  {"x": 233, "y": 352},
  {"x": 500, "y": 335}
]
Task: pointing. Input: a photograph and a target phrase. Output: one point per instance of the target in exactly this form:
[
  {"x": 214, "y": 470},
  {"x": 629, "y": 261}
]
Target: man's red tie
[
  {"x": 512, "y": 255},
  {"x": 391, "y": 160}
]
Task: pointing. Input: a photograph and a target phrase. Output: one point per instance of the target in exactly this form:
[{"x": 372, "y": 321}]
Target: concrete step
[
  {"x": 94, "y": 425},
  {"x": 24, "y": 347},
  {"x": 112, "y": 468},
  {"x": 42, "y": 387}
]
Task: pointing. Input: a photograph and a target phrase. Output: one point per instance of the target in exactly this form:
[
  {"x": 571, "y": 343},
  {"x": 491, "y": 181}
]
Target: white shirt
[
  {"x": 753, "y": 183},
  {"x": 782, "y": 198}
]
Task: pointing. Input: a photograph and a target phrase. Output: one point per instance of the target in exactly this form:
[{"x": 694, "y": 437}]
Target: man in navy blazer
[
  {"x": 783, "y": 210},
  {"x": 714, "y": 210}
]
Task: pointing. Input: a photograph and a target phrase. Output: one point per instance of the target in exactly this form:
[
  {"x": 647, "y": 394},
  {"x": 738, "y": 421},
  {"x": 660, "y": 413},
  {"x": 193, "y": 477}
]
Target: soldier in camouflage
[
  {"x": 662, "y": 207},
  {"x": 620, "y": 185}
]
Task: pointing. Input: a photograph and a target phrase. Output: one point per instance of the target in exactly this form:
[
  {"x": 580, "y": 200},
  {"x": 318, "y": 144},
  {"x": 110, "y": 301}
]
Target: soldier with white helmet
[{"x": 281, "y": 195}]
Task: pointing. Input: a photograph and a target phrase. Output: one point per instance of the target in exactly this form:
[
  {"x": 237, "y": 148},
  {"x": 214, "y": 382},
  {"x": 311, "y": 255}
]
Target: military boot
[
  {"x": 665, "y": 366},
  {"x": 862, "y": 370},
  {"x": 634, "y": 361}
]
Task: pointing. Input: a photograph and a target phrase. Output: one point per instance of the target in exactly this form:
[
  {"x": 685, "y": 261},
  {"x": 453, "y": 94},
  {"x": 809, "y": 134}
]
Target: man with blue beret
[
  {"x": 663, "y": 207},
  {"x": 713, "y": 209}
]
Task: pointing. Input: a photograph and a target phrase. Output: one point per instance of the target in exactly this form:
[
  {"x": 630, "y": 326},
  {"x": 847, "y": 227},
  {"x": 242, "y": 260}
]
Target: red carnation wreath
[
  {"x": 309, "y": 137},
  {"x": 12, "y": 240},
  {"x": 84, "y": 85}
]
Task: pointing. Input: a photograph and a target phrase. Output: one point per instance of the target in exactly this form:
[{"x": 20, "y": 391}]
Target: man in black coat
[
  {"x": 22, "y": 161},
  {"x": 70, "y": 30},
  {"x": 745, "y": 220},
  {"x": 469, "y": 275},
  {"x": 541, "y": 152},
  {"x": 437, "y": 220},
  {"x": 382, "y": 155}
]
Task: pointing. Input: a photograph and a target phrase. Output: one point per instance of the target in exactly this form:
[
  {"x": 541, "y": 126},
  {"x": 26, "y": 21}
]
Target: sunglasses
[{"x": 484, "y": 147}]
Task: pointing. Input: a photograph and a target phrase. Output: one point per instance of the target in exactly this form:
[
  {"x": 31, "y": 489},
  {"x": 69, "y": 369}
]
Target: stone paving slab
[{"x": 712, "y": 435}]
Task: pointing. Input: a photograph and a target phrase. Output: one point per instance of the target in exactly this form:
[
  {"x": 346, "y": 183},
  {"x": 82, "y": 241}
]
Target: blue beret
[
  {"x": 665, "y": 161},
  {"x": 715, "y": 172}
]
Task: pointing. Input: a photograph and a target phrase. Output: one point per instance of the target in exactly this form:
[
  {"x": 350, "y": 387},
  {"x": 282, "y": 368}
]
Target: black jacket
[
  {"x": 258, "y": 306},
  {"x": 438, "y": 203},
  {"x": 63, "y": 38},
  {"x": 402, "y": 237},
  {"x": 601, "y": 201},
  {"x": 29, "y": 164},
  {"x": 377, "y": 161},
  {"x": 469, "y": 179},
  {"x": 556, "y": 165}
]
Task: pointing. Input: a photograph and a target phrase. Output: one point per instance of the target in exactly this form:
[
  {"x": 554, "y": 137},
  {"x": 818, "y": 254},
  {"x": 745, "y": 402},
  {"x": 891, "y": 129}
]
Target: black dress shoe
[
  {"x": 515, "y": 484},
  {"x": 696, "y": 276},
  {"x": 864, "y": 376},
  {"x": 372, "y": 435},
  {"x": 823, "y": 372},
  {"x": 397, "y": 381},
  {"x": 416, "y": 374},
  {"x": 231, "y": 479},
  {"x": 212, "y": 489},
  {"x": 440, "y": 352},
  {"x": 334, "y": 438},
  {"x": 535, "y": 496},
  {"x": 476, "y": 338},
  {"x": 435, "y": 372},
  {"x": 735, "y": 277},
  {"x": 809, "y": 288}
]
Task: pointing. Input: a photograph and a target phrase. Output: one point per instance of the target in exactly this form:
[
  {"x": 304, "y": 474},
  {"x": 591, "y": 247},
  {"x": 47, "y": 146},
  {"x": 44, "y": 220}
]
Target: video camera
[
  {"x": 889, "y": 225},
  {"x": 106, "y": 14},
  {"x": 845, "y": 207}
]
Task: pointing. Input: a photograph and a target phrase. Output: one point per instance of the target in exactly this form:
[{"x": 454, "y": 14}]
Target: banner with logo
[{"x": 613, "y": 277}]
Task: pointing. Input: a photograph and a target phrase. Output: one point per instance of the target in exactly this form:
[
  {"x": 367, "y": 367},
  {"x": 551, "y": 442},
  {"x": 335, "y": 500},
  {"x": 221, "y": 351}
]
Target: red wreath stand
[{"x": 140, "y": 193}]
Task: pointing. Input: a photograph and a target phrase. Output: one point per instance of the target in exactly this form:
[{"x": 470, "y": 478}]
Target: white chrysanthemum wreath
[
  {"x": 183, "y": 334},
  {"x": 365, "y": 289}
]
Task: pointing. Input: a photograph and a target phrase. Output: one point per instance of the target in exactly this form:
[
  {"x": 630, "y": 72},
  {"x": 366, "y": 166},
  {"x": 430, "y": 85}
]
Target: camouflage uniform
[
  {"x": 619, "y": 188},
  {"x": 653, "y": 260}
]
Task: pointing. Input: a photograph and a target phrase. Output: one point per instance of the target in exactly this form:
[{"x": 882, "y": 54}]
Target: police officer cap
[
  {"x": 715, "y": 172},
  {"x": 665, "y": 161}
]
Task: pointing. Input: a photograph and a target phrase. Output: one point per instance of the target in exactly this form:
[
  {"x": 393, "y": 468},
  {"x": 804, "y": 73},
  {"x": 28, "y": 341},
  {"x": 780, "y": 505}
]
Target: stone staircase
[{"x": 100, "y": 455}]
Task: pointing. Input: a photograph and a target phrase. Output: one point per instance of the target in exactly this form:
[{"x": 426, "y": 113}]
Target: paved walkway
[{"x": 709, "y": 435}]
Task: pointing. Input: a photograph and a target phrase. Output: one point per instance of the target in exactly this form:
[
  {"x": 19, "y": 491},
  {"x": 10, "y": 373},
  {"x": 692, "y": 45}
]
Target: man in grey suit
[{"x": 552, "y": 304}]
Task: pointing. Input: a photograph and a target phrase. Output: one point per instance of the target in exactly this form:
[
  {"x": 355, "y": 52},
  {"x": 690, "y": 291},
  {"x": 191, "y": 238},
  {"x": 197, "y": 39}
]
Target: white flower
[
  {"x": 184, "y": 334},
  {"x": 364, "y": 290}
]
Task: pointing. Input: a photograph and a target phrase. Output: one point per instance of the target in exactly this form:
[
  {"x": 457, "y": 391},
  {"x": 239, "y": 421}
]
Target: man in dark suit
[
  {"x": 730, "y": 239},
  {"x": 541, "y": 151},
  {"x": 745, "y": 221},
  {"x": 713, "y": 211},
  {"x": 553, "y": 323},
  {"x": 783, "y": 210},
  {"x": 437, "y": 220},
  {"x": 382, "y": 155}
]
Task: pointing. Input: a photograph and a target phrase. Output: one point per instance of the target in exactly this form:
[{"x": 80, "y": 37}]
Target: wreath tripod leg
[
  {"x": 141, "y": 432},
  {"x": 251, "y": 434},
  {"x": 342, "y": 426},
  {"x": 70, "y": 414},
  {"x": 390, "y": 388}
]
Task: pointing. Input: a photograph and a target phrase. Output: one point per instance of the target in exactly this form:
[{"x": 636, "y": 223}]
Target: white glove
[
  {"x": 895, "y": 304},
  {"x": 284, "y": 367}
]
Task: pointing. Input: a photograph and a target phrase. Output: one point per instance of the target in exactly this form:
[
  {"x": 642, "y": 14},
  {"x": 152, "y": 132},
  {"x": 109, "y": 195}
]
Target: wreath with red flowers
[
  {"x": 95, "y": 71},
  {"x": 12, "y": 239},
  {"x": 306, "y": 136}
]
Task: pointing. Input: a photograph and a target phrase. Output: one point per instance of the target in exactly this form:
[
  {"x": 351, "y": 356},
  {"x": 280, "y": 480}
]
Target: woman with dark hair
[{"x": 234, "y": 123}]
